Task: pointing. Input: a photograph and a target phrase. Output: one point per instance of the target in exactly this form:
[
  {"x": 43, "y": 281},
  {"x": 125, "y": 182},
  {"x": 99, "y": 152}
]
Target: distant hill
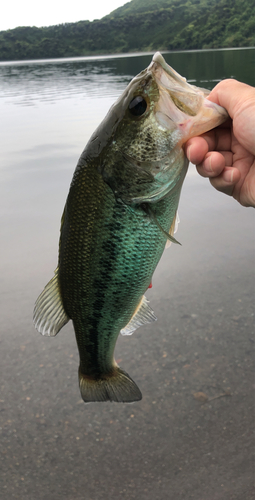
[
  {"x": 140, "y": 25},
  {"x": 138, "y": 6}
]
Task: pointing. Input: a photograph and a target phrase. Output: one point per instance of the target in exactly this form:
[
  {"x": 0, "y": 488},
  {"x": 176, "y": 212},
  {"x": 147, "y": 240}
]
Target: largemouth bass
[{"x": 119, "y": 214}]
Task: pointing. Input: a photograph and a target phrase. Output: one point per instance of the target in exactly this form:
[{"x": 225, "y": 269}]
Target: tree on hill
[{"x": 139, "y": 25}]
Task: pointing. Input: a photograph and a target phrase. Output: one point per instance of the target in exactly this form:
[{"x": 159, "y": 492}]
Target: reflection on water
[
  {"x": 49, "y": 109},
  {"x": 25, "y": 85},
  {"x": 28, "y": 82}
]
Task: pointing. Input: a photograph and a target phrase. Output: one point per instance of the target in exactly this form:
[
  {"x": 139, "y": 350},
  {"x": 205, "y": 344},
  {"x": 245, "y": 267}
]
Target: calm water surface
[{"x": 169, "y": 445}]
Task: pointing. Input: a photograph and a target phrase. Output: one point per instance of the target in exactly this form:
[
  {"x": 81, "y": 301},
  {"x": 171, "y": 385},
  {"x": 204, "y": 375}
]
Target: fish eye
[{"x": 137, "y": 106}]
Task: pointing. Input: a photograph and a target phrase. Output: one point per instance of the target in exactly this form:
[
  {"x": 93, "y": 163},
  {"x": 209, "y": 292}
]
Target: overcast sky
[{"x": 48, "y": 12}]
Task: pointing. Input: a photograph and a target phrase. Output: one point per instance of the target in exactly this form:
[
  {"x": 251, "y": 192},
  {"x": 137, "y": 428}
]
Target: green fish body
[{"x": 119, "y": 214}]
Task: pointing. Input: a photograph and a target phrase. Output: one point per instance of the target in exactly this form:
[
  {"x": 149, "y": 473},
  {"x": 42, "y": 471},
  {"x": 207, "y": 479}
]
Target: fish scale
[
  {"x": 117, "y": 263},
  {"x": 120, "y": 211}
]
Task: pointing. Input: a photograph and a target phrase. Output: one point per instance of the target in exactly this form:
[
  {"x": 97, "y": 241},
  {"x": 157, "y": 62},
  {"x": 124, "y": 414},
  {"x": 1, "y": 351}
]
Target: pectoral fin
[
  {"x": 173, "y": 229},
  {"x": 150, "y": 213},
  {"x": 49, "y": 314},
  {"x": 143, "y": 315}
]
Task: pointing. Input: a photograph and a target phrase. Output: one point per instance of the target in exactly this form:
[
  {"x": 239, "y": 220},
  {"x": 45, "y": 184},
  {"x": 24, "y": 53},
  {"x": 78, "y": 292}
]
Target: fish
[{"x": 120, "y": 212}]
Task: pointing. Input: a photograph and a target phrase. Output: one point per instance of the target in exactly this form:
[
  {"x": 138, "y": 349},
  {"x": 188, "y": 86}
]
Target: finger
[
  {"x": 226, "y": 181},
  {"x": 218, "y": 139},
  {"x": 195, "y": 149},
  {"x": 212, "y": 165},
  {"x": 227, "y": 94}
]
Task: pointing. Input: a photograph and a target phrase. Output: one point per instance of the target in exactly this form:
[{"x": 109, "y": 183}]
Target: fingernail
[
  {"x": 228, "y": 176},
  {"x": 208, "y": 165}
]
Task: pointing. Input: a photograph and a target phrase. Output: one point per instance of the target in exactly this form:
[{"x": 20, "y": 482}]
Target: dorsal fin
[
  {"x": 142, "y": 315},
  {"x": 49, "y": 314}
]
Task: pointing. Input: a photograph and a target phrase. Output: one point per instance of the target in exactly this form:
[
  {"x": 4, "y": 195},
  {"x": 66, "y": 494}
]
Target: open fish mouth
[{"x": 188, "y": 111}]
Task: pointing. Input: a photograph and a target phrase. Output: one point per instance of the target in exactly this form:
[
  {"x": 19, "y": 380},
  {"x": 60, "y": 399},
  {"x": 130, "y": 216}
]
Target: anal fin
[{"x": 143, "y": 315}]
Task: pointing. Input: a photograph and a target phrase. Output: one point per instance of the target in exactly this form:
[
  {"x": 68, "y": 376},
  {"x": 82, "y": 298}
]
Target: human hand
[{"x": 226, "y": 154}]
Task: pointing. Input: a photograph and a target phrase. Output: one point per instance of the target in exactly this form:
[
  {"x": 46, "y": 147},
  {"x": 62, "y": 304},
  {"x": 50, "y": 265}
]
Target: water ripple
[{"x": 26, "y": 85}]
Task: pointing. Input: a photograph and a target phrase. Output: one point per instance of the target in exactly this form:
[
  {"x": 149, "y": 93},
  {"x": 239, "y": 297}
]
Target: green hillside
[
  {"x": 138, "y": 6},
  {"x": 140, "y": 25}
]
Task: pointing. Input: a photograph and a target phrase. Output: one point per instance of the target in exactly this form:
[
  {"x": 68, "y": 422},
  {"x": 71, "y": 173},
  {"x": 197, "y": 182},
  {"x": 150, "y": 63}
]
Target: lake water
[{"x": 169, "y": 445}]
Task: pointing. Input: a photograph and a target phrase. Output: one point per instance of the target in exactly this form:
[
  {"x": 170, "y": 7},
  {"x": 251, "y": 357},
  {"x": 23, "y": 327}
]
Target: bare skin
[{"x": 226, "y": 154}]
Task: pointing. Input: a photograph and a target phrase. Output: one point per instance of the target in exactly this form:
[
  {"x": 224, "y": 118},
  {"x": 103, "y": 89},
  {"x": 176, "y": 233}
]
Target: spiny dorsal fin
[
  {"x": 143, "y": 315},
  {"x": 49, "y": 314}
]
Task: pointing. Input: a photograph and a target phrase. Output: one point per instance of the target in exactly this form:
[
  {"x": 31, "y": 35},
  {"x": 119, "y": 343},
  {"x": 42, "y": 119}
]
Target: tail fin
[{"x": 117, "y": 386}]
